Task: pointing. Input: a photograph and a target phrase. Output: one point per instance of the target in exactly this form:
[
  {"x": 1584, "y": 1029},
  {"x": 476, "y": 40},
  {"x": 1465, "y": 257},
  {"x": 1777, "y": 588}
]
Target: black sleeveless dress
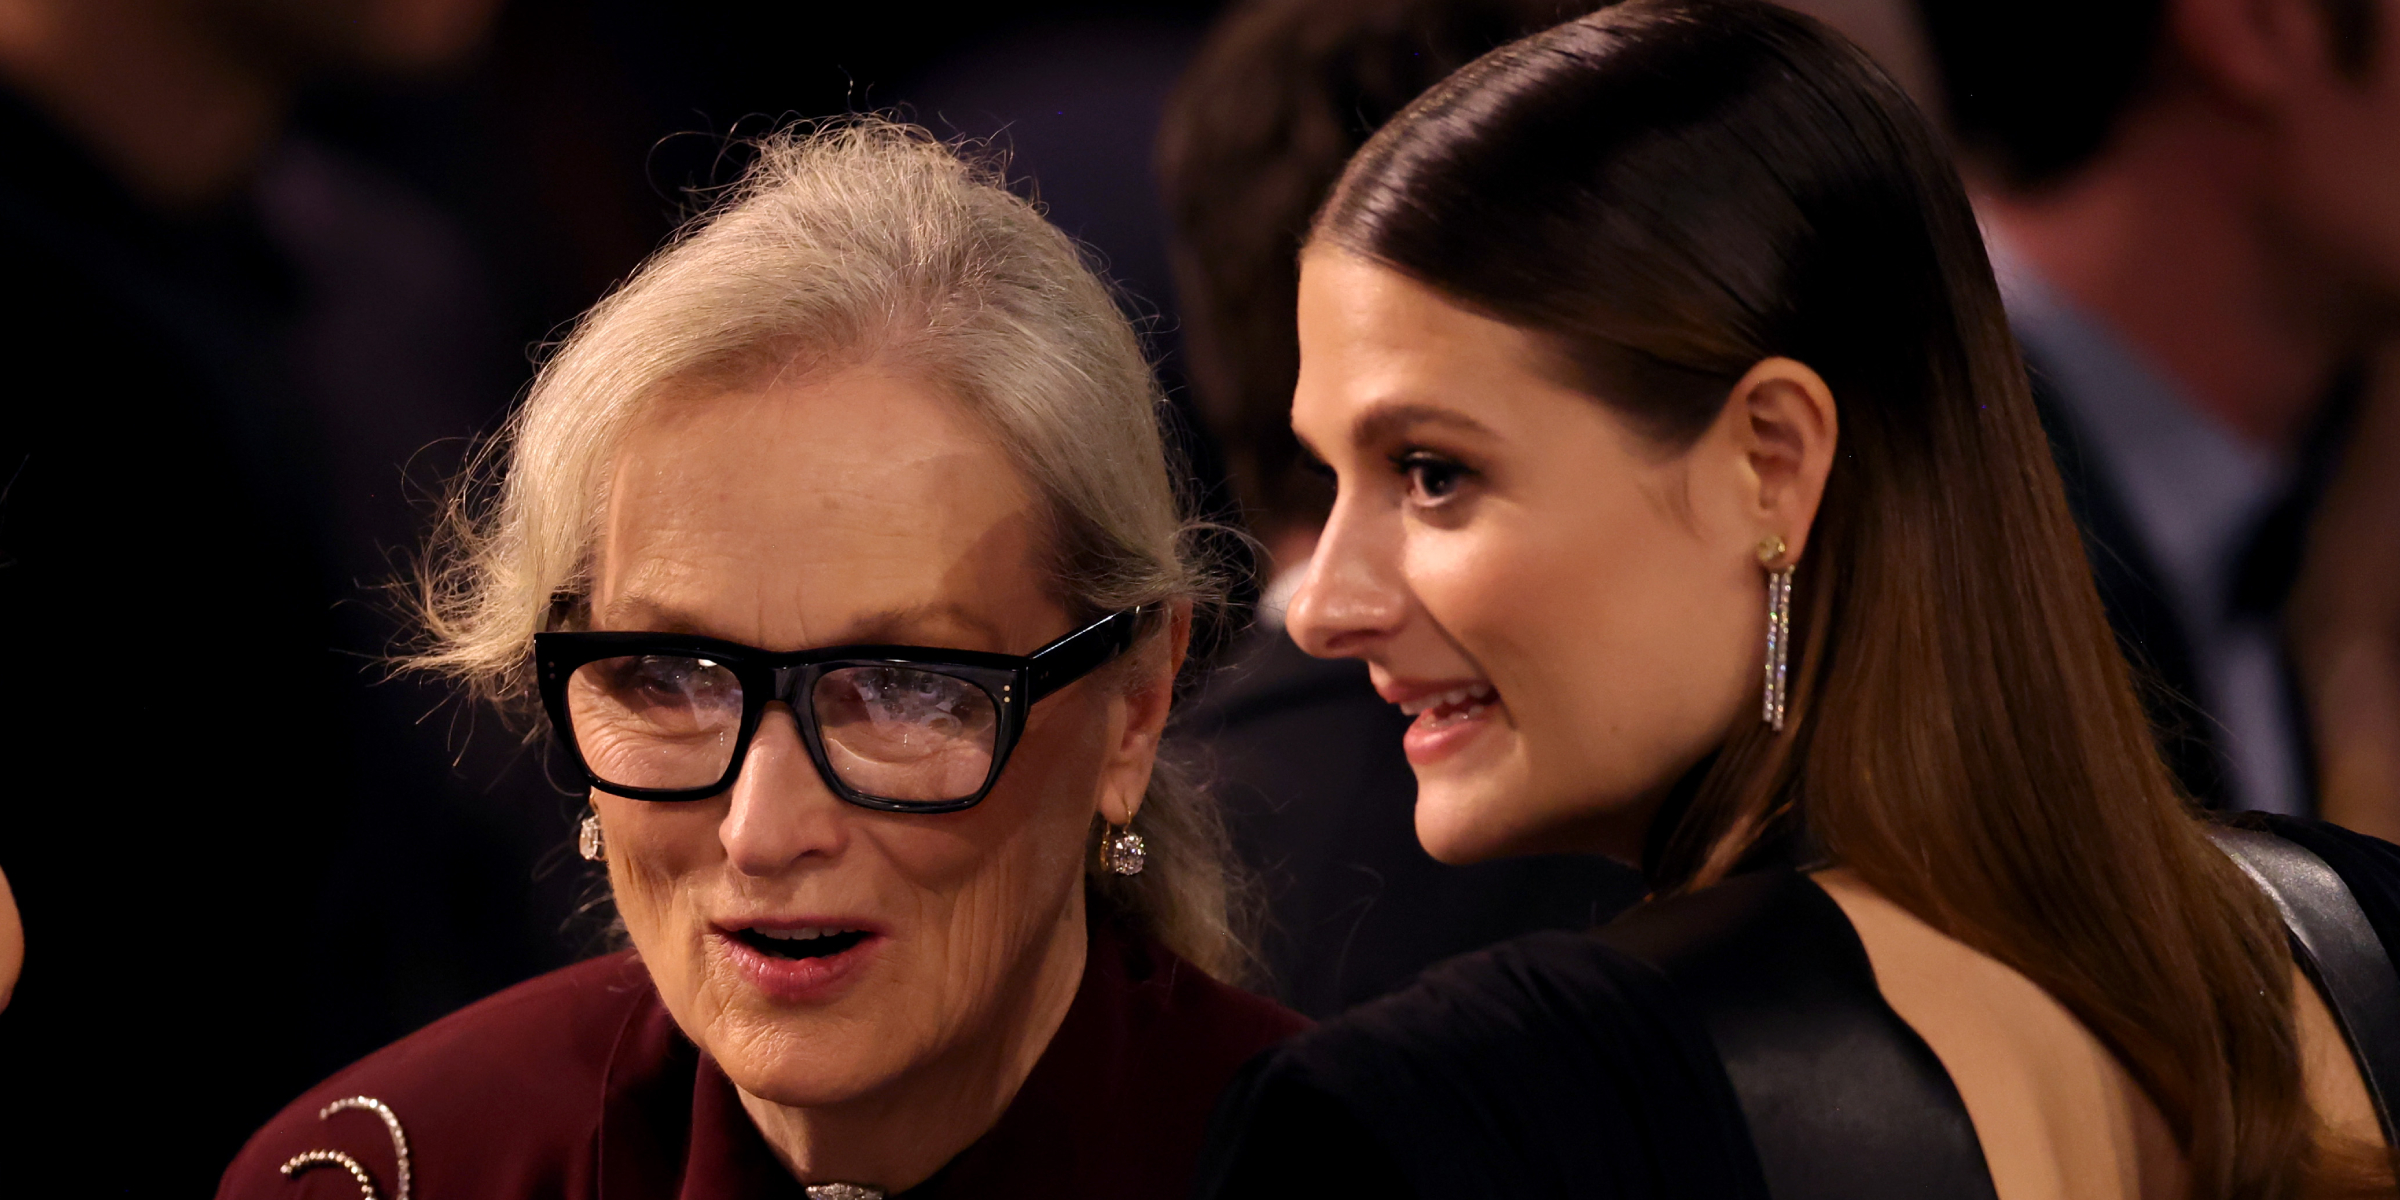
[{"x": 1727, "y": 1045}]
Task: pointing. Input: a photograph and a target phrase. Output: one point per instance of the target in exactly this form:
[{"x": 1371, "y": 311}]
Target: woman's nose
[
  {"x": 781, "y": 810},
  {"x": 1352, "y": 597}
]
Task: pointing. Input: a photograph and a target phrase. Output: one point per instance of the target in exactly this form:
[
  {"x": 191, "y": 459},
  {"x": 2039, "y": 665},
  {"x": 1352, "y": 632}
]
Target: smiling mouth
[
  {"x": 1449, "y": 708},
  {"x": 800, "y": 943}
]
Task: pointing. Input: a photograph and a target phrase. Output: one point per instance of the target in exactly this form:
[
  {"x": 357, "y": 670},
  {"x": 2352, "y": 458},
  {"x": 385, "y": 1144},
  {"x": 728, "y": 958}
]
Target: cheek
[
  {"x": 1047, "y": 788},
  {"x": 657, "y": 856},
  {"x": 974, "y": 898},
  {"x": 990, "y": 884},
  {"x": 1620, "y": 638}
]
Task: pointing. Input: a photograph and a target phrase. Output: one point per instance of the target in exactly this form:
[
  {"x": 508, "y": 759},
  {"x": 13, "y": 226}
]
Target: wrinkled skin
[{"x": 862, "y": 506}]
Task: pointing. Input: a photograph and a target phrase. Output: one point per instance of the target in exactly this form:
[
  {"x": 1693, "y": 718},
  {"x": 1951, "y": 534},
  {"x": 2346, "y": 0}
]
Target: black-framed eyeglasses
[{"x": 661, "y": 716}]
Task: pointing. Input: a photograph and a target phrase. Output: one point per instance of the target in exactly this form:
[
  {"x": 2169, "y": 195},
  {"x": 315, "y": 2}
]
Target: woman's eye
[{"x": 1431, "y": 476}]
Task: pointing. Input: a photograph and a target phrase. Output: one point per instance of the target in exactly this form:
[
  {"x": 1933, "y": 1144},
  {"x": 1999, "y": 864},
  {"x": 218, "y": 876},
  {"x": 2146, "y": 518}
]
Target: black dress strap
[
  {"x": 1844, "y": 1100},
  {"x": 2337, "y": 947}
]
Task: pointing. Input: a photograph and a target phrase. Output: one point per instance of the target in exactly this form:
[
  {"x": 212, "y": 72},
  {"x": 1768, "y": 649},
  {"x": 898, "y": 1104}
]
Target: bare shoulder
[
  {"x": 2057, "y": 1114},
  {"x": 501, "y": 1098}
]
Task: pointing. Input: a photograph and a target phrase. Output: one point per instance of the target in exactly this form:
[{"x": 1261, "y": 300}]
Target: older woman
[{"x": 840, "y": 549}]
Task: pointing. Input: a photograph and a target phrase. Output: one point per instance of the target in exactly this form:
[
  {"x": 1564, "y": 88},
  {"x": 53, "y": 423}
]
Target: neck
[
  {"x": 166, "y": 102},
  {"x": 897, "y": 1136},
  {"x": 2172, "y": 239}
]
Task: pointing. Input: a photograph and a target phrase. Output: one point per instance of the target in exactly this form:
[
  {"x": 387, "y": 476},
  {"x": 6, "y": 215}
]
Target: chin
[
  {"x": 799, "y": 1067},
  {"x": 1462, "y": 829},
  {"x": 1462, "y": 824},
  {"x": 809, "y": 1085}
]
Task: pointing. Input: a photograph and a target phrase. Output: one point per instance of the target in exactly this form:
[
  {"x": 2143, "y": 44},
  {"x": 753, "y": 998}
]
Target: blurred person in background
[
  {"x": 1893, "y": 34},
  {"x": 227, "y": 343},
  {"x": 2194, "y": 210},
  {"x": 1306, "y": 756},
  {"x": 2343, "y": 622},
  {"x": 840, "y": 548}
]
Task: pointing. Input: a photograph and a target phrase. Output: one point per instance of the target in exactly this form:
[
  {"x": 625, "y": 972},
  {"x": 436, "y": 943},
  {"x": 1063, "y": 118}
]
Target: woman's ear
[
  {"x": 1783, "y": 422},
  {"x": 1149, "y": 695}
]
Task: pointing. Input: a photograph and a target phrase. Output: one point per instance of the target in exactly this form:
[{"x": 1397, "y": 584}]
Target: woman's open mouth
[
  {"x": 1446, "y": 721},
  {"x": 811, "y": 942},
  {"x": 799, "y": 964}
]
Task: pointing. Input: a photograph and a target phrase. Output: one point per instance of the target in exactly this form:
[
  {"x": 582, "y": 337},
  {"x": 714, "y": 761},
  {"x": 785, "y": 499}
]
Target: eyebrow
[
  {"x": 886, "y": 627},
  {"x": 639, "y": 612},
  {"x": 1388, "y": 422}
]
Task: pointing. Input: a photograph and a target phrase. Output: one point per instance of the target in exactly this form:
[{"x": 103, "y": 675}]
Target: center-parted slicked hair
[{"x": 850, "y": 242}]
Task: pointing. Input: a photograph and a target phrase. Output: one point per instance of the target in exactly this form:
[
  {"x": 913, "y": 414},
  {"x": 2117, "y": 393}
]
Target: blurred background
[{"x": 276, "y": 263}]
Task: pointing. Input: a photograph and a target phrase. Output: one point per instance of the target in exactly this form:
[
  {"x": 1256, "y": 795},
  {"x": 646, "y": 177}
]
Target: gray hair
[{"x": 855, "y": 241}]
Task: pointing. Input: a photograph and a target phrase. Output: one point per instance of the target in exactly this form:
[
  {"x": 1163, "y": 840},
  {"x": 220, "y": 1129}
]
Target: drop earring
[
  {"x": 1123, "y": 852},
  {"x": 1779, "y": 627},
  {"x": 588, "y": 841}
]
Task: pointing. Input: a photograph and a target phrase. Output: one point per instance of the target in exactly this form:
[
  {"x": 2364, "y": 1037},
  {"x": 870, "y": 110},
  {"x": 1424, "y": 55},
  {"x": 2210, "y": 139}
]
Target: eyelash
[{"x": 1423, "y": 468}]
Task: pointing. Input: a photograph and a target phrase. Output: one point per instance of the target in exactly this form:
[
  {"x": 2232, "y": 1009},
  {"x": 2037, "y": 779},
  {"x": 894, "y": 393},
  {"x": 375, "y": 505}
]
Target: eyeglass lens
[{"x": 893, "y": 733}]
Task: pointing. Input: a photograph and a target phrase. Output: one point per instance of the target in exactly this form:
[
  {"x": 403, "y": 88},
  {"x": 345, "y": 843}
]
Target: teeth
[
  {"x": 1478, "y": 693},
  {"x": 804, "y": 934},
  {"x": 1446, "y": 720}
]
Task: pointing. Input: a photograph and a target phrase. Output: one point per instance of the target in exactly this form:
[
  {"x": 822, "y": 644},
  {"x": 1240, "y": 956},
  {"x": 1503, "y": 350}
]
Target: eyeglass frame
[{"x": 1015, "y": 683}]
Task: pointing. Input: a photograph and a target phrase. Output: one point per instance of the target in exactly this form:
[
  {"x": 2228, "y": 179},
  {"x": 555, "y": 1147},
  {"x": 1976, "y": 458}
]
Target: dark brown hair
[
  {"x": 1672, "y": 190},
  {"x": 1256, "y": 132}
]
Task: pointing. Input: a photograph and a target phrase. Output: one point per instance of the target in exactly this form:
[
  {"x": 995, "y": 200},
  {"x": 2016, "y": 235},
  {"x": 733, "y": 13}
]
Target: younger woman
[{"x": 1631, "y": 340}]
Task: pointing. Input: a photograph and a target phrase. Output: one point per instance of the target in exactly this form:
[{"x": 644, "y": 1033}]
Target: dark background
[{"x": 586, "y": 132}]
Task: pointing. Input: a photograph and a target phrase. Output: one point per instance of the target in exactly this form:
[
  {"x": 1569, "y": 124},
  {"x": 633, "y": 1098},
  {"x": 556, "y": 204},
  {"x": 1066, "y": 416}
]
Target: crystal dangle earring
[
  {"x": 1122, "y": 852},
  {"x": 1779, "y": 627},
  {"x": 588, "y": 841}
]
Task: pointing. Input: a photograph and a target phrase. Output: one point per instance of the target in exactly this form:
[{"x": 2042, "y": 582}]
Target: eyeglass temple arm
[{"x": 1080, "y": 653}]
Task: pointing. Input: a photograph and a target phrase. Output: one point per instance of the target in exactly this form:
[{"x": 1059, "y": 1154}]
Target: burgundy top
[{"x": 578, "y": 1084}]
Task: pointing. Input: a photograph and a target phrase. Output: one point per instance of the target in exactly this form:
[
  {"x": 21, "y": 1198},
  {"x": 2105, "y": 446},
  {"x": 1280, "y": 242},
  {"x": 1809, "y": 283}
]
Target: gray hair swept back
[{"x": 847, "y": 242}]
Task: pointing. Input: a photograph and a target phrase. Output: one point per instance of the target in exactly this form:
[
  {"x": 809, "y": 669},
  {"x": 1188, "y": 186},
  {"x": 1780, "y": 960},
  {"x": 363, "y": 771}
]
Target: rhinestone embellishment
[
  {"x": 1123, "y": 852},
  {"x": 1779, "y": 646},
  {"x": 334, "y": 1158},
  {"x": 842, "y": 1191},
  {"x": 588, "y": 841}
]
